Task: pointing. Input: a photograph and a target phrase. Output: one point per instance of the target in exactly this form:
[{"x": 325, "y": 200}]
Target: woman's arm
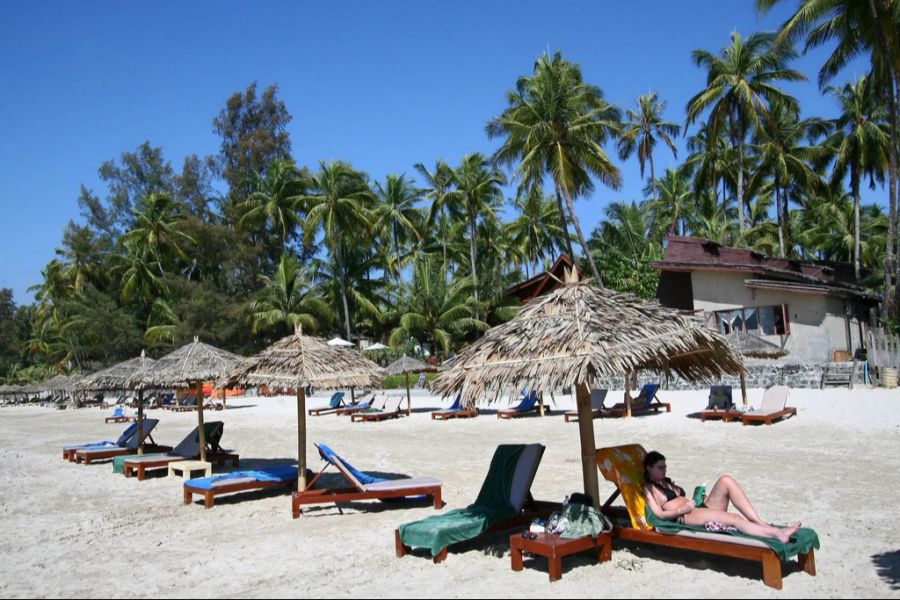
[{"x": 666, "y": 514}]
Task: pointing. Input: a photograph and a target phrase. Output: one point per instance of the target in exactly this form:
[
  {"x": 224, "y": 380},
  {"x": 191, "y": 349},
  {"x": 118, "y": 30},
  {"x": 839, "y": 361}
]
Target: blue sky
[{"x": 382, "y": 85}]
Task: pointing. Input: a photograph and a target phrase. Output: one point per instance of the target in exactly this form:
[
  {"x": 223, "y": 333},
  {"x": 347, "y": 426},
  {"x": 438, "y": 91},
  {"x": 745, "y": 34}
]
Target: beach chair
[
  {"x": 282, "y": 476},
  {"x": 772, "y": 407},
  {"x": 645, "y": 401},
  {"x": 337, "y": 399},
  {"x": 186, "y": 406},
  {"x": 360, "y": 405},
  {"x": 70, "y": 450},
  {"x": 597, "y": 408},
  {"x": 187, "y": 449},
  {"x": 363, "y": 486},
  {"x": 721, "y": 405},
  {"x": 503, "y": 503},
  {"x": 624, "y": 467},
  {"x": 89, "y": 455},
  {"x": 456, "y": 411},
  {"x": 391, "y": 410},
  {"x": 118, "y": 416},
  {"x": 528, "y": 403}
]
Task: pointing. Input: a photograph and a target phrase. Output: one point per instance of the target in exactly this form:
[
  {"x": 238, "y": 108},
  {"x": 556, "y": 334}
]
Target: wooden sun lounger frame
[
  {"x": 120, "y": 419},
  {"x": 769, "y": 418},
  {"x": 533, "y": 509},
  {"x": 139, "y": 469},
  {"x": 87, "y": 456},
  {"x": 349, "y": 494},
  {"x": 362, "y": 417},
  {"x": 210, "y": 495},
  {"x": 352, "y": 410},
  {"x": 616, "y": 411},
  {"x": 573, "y": 414},
  {"x": 462, "y": 413}
]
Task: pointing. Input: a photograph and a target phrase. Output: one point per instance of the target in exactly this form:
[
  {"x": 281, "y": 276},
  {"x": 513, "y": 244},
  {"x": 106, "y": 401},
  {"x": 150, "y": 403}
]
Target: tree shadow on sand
[{"x": 887, "y": 565}]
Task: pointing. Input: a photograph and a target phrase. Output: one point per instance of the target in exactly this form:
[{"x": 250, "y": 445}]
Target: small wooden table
[
  {"x": 185, "y": 467},
  {"x": 554, "y": 547}
]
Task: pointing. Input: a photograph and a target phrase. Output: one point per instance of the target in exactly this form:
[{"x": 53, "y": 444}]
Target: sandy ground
[{"x": 80, "y": 531}]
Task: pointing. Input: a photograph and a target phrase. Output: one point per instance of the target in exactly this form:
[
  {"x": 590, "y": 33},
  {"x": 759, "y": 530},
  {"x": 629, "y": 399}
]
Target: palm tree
[
  {"x": 276, "y": 199},
  {"x": 641, "y": 130},
  {"x": 535, "y": 233},
  {"x": 434, "y": 311},
  {"x": 139, "y": 276},
  {"x": 157, "y": 229},
  {"x": 669, "y": 202},
  {"x": 440, "y": 182},
  {"x": 555, "y": 124},
  {"x": 287, "y": 299},
  {"x": 860, "y": 142},
  {"x": 397, "y": 217},
  {"x": 739, "y": 90},
  {"x": 858, "y": 27},
  {"x": 341, "y": 205},
  {"x": 478, "y": 193}
]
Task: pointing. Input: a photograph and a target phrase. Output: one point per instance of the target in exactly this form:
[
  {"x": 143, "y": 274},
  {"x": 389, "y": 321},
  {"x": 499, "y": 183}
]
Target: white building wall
[{"x": 816, "y": 322}]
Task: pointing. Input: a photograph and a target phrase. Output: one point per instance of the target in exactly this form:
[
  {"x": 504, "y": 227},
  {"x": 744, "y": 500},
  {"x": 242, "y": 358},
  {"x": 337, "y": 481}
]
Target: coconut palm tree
[
  {"x": 397, "y": 217},
  {"x": 860, "y": 141},
  {"x": 555, "y": 125},
  {"x": 739, "y": 90},
  {"x": 286, "y": 300},
  {"x": 535, "y": 233},
  {"x": 670, "y": 201},
  {"x": 157, "y": 229},
  {"x": 643, "y": 129},
  {"x": 443, "y": 209},
  {"x": 276, "y": 199}
]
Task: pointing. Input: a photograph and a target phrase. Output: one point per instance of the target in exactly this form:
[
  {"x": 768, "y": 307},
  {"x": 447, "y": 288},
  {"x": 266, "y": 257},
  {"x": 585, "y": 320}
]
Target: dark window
[{"x": 765, "y": 320}]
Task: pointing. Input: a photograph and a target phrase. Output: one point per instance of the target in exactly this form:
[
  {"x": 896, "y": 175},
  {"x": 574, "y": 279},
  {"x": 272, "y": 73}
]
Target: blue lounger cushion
[{"x": 279, "y": 473}]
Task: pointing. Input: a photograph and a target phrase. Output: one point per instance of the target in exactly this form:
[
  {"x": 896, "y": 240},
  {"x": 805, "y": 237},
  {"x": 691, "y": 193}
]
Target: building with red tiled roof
[{"x": 811, "y": 309}]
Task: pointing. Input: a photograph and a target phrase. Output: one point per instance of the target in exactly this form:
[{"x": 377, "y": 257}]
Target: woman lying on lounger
[{"x": 668, "y": 501}]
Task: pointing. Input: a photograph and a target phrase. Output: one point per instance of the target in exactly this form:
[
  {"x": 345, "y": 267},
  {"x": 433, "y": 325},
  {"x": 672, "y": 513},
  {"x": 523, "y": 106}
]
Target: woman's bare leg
[
  {"x": 727, "y": 489},
  {"x": 701, "y": 516}
]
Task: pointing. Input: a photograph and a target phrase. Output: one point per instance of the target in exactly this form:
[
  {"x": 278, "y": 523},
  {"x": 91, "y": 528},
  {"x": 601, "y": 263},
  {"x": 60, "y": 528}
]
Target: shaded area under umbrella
[{"x": 406, "y": 365}]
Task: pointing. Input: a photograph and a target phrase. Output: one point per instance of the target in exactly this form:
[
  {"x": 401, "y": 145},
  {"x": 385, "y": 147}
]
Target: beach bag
[{"x": 579, "y": 518}]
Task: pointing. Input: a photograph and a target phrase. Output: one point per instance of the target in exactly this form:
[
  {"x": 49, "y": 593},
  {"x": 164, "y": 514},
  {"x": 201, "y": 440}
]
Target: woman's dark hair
[{"x": 651, "y": 459}]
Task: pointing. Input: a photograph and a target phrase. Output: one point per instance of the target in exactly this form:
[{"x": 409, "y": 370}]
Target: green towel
[
  {"x": 462, "y": 524},
  {"x": 801, "y": 542},
  {"x": 119, "y": 461}
]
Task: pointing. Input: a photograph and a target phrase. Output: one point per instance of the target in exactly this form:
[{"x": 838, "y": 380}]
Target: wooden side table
[
  {"x": 554, "y": 547},
  {"x": 185, "y": 467}
]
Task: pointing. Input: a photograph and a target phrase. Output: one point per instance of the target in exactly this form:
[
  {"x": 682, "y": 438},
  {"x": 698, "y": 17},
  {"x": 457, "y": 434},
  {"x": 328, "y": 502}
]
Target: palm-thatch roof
[
  {"x": 299, "y": 360},
  {"x": 187, "y": 365},
  {"x": 754, "y": 346},
  {"x": 59, "y": 382},
  {"x": 579, "y": 333},
  {"x": 114, "y": 377},
  {"x": 405, "y": 364}
]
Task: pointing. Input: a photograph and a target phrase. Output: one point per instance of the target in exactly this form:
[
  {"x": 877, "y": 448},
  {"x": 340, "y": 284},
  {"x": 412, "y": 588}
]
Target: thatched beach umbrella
[
  {"x": 189, "y": 365},
  {"x": 298, "y": 361},
  {"x": 752, "y": 346},
  {"x": 406, "y": 365},
  {"x": 577, "y": 335}
]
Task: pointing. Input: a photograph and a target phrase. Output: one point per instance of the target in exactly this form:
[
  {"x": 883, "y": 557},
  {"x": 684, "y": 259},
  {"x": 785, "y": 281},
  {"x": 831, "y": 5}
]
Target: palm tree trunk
[
  {"x": 473, "y": 252},
  {"x": 854, "y": 183},
  {"x": 786, "y": 219},
  {"x": 340, "y": 265},
  {"x": 740, "y": 190},
  {"x": 564, "y": 224},
  {"x": 581, "y": 241},
  {"x": 652, "y": 174},
  {"x": 780, "y": 221}
]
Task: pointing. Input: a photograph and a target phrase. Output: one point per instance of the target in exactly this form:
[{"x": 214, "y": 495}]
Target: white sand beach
[{"x": 79, "y": 531}]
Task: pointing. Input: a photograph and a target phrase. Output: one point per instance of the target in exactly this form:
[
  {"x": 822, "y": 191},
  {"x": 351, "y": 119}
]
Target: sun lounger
[
  {"x": 241, "y": 481},
  {"x": 645, "y": 401},
  {"x": 772, "y": 407},
  {"x": 363, "y": 486},
  {"x": 391, "y": 410},
  {"x": 623, "y": 466},
  {"x": 527, "y": 404},
  {"x": 188, "y": 405},
  {"x": 118, "y": 416},
  {"x": 89, "y": 455},
  {"x": 721, "y": 405},
  {"x": 70, "y": 450},
  {"x": 337, "y": 399},
  {"x": 456, "y": 411},
  {"x": 597, "y": 408},
  {"x": 503, "y": 503},
  {"x": 187, "y": 449},
  {"x": 359, "y": 405}
]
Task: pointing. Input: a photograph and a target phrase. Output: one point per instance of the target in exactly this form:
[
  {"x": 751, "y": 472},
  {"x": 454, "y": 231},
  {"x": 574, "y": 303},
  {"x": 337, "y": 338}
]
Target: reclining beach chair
[
  {"x": 88, "y": 455},
  {"x": 118, "y": 416},
  {"x": 336, "y": 402},
  {"x": 361, "y": 404},
  {"x": 624, "y": 467},
  {"x": 391, "y": 410},
  {"x": 503, "y": 503},
  {"x": 241, "y": 481},
  {"x": 363, "y": 486},
  {"x": 70, "y": 450},
  {"x": 456, "y": 411},
  {"x": 187, "y": 449},
  {"x": 644, "y": 402},
  {"x": 186, "y": 406},
  {"x": 772, "y": 407},
  {"x": 528, "y": 403},
  {"x": 597, "y": 408},
  {"x": 721, "y": 405}
]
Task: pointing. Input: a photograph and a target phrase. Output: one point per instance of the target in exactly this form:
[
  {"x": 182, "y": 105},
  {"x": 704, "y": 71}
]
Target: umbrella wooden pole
[
  {"x": 301, "y": 438},
  {"x": 202, "y": 429},
  {"x": 541, "y": 404},
  {"x": 588, "y": 445},
  {"x": 408, "y": 399},
  {"x": 744, "y": 389},
  {"x": 627, "y": 394},
  {"x": 140, "y": 419}
]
